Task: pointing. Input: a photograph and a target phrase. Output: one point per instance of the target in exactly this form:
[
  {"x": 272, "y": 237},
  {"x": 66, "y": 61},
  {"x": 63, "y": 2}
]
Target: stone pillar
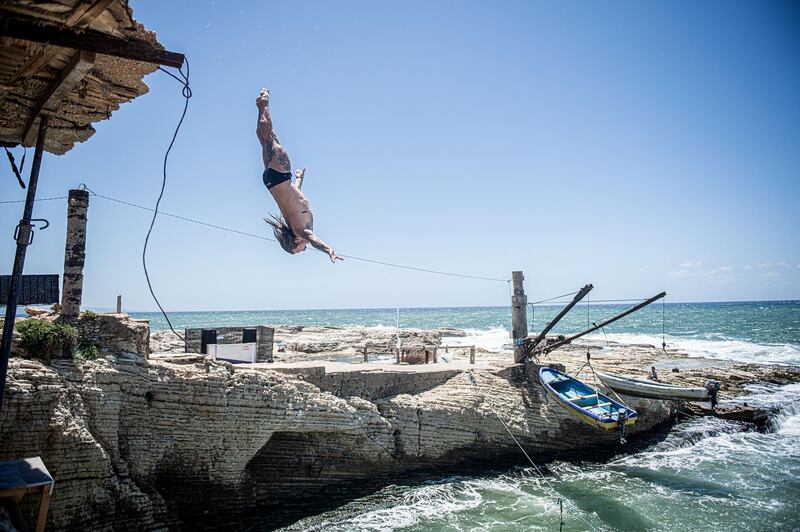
[
  {"x": 74, "y": 253},
  {"x": 519, "y": 315}
]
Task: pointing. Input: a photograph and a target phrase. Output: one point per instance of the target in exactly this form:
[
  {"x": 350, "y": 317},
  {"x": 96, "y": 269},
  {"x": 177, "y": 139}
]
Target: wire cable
[
  {"x": 437, "y": 272},
  {"x": 184, "y": 218},
  {"x": 535, "y": 467},
  {"x": 37, "y": 199},
  {"x": 553, "y": 298},
  {"x": 261, "y": 237}
]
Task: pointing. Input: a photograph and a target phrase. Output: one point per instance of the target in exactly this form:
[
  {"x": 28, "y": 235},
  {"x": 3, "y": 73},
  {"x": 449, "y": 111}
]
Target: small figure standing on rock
[
  {"x": 653, "y": 374},
  {"x": 295, "y": 226}
]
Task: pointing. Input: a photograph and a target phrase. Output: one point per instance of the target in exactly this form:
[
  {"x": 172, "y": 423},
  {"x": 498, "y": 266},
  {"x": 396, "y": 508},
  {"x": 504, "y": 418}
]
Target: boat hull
[
  {"x": 584, "y": 402},
  {"x": 652, "y": 390}
]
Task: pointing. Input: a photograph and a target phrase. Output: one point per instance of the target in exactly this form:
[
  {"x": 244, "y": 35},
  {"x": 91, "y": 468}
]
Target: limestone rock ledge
[{"x": 136, "y": 444}]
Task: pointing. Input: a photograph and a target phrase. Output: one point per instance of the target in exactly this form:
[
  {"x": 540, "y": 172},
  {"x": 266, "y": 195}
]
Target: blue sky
[{"x": 639, "y": 146}]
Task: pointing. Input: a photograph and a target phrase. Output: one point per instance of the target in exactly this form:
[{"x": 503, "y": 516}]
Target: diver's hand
[{"x": 300, "y": 174}]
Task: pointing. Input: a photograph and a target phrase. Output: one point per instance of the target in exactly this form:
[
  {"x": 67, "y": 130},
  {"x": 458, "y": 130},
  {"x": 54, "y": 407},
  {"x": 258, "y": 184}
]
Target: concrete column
[
  {"x": 519, "y": 314},
  {"x": 74, "y": 253}
]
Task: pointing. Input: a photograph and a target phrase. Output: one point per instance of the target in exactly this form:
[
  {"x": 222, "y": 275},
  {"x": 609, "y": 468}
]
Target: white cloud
[
  {"x": 691, "y": 269},
  {"x": 690, "y": 264},
  {"x": 771, "y": 264}
]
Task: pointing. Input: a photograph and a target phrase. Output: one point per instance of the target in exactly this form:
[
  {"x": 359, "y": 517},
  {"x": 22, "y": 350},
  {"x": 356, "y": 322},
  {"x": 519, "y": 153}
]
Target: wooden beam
[
  {"x": 86, "y": 13},
  {"x": 81, "y": 16},
  {"x": 29, "y": 29},
  {"x": 79, "y": 65}
]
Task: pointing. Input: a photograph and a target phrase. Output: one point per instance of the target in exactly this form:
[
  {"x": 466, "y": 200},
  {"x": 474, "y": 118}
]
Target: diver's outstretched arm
[
  {"x": 299, "y": 175},
  {"x": 318, "y": 243}
]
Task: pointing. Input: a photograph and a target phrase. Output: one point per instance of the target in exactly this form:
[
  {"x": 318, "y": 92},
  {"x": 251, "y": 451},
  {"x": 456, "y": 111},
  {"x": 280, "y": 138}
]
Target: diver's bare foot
[{"x": 263, "y": 99}]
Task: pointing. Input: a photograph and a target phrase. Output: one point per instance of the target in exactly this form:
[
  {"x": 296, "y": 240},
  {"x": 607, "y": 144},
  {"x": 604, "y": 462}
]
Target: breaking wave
[{"x": 720, "y": 348}]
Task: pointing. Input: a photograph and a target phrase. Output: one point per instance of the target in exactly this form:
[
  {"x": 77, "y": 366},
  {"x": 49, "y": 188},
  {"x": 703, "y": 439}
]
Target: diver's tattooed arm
[{"x": 318, "y": 243}]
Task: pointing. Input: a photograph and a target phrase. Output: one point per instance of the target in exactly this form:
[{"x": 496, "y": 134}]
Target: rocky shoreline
[
  {"x": 154, "y": 440},
  {"x": 346, "y": 344}
]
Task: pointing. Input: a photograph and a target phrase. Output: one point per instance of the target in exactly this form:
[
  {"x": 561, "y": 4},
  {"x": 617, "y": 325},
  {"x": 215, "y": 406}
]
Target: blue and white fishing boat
[{"x": 584, "y": 402}]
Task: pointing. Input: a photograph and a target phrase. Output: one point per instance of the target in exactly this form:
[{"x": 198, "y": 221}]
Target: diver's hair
[{"x": 283, "y": 233}]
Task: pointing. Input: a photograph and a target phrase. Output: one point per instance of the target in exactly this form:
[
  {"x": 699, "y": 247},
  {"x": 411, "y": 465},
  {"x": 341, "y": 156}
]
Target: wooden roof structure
[{"x": 75, "y": 61}]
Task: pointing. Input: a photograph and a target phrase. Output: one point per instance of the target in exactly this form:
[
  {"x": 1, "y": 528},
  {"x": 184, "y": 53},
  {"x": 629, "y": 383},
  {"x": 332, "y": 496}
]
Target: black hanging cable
[{"x": 186, "y": 91}]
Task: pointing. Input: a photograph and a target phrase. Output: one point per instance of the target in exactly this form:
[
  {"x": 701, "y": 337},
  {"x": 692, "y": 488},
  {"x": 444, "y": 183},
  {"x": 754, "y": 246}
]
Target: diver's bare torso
[{"x": 294, "y": 206}]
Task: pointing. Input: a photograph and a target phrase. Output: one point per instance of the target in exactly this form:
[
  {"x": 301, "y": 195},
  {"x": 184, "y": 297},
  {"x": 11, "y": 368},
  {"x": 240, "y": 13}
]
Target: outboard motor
[
  {"x": 622, "y": 417},
  {"x": 713, "y": 387}
]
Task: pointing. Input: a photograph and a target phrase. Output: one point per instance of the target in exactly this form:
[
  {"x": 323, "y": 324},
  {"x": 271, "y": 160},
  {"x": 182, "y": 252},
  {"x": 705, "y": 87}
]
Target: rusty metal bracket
[{"x": 23, "y": 234}]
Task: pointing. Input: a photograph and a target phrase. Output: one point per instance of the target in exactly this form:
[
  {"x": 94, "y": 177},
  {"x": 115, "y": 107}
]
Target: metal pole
[
  {"x": 603, "y": 324},
  {"x": 23, "y": 236},
  {"x": 532, "y": 345},
  {"x": 519, "y": 317}
]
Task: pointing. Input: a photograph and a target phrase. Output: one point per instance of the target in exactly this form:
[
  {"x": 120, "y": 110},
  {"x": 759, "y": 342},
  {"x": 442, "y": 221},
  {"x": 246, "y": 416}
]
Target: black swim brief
[{"x": 272, "y": 177}]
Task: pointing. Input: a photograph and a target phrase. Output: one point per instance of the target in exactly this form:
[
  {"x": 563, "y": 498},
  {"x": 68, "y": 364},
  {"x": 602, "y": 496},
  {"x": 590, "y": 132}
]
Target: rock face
[{"x": 141, "y": 444}]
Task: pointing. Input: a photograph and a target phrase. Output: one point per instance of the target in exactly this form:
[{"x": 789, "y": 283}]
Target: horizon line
[{"x": 156, "y": 311}]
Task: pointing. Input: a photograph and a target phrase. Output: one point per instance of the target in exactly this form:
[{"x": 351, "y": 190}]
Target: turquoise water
[
  {"x": 705, "y": 474},
  {"x": 745, "y": 331}
]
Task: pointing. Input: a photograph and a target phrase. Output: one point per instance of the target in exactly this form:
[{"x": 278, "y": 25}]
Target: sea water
[
  {"x": 765, "y": 332},
  {"x": 704, "y": 474}
]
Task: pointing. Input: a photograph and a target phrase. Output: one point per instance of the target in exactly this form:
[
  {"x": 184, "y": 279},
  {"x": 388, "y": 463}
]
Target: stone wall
[{"x": 115, "y": 334}]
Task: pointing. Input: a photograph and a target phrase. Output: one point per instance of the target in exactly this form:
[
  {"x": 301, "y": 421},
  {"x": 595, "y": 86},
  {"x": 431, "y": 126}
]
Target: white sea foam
[
  {"x": 494, "y": 339},
  {"x": 724, "y": 349},
  {"x": 497, "y": 339},
  {"x": 426, "y": 502}
]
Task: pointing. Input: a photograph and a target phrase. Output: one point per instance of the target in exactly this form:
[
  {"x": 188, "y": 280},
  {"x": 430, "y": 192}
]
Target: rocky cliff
[{"x": 136, "y": 443}]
